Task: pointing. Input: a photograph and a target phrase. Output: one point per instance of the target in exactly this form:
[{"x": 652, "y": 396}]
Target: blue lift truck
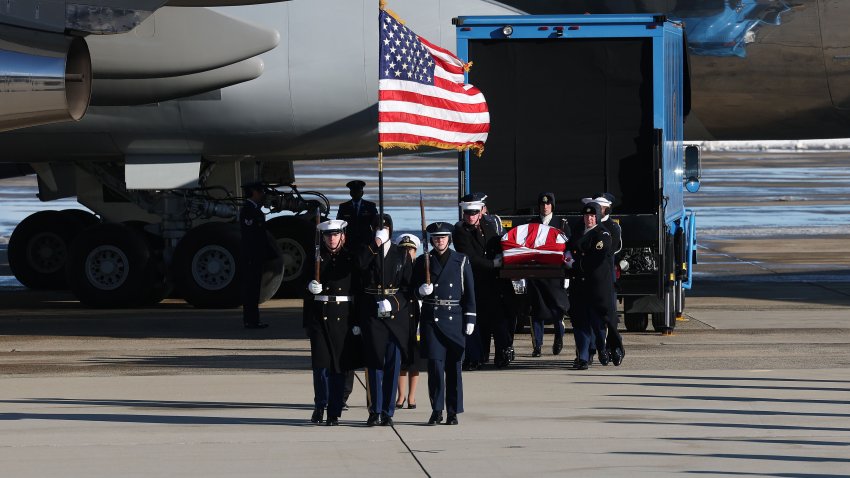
[{"x": 587, "y": 103}]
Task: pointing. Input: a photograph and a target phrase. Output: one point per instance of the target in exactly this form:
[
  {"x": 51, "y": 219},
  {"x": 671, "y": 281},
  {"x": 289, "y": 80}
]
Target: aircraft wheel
[
  {"x": 162, "y": 284},
  {"x": 110, "y": 265},
  {"x": 39, "y": 246},
  {"x": 206, "y": 266},
  {"x": 295, "y": 237}
]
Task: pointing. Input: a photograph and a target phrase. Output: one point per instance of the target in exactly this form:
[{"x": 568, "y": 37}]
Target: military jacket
[
  {"x": 593, "y": 269},
  {"x": 449, "y": 308},
  {"x": 359, "y": 229},
  {"x": 616, "y": 234},
  {"x": 255, "y": 243},
  {"x": 328, "y": 315}
]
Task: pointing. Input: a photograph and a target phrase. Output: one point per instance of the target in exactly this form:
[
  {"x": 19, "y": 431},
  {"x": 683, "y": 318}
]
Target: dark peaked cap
[
  {"x": 439, "y": 229},
  {"x": 355, "y": 184}
]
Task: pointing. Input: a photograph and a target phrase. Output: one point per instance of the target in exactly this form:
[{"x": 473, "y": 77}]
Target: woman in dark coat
[
  {"x": 328, "y": 311},
  {"x": 408, "y": 379}
]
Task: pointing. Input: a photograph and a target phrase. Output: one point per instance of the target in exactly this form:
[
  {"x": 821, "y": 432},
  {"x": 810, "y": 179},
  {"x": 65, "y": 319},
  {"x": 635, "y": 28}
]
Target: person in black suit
[
  {"x": 591, "y": 285},
  {"x": 479, "y": 241},
  {"x": 255, "y": 250},
  {"x": 359, "y": 214},
  {"x": 447, "y": 317},
  {"x": 328, "y": 311},
  {"x": 548, "y": 297}
]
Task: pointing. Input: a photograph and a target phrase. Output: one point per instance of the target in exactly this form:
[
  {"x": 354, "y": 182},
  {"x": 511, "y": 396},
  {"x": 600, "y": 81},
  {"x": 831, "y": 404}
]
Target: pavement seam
[{"x": 403, "y": 442}]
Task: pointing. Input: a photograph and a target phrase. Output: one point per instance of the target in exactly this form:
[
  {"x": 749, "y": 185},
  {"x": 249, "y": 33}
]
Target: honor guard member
[
  {"x": 614, "y": 340},
  {"x": 384, "y": 318},
  {"x": 359, "y": 214},
  {"x": 255, "y": 251},
  {"x": 592, "y": 284},
  {"x": 548, "y": 297},
  {"x": 448, "y": 315},
  {"x": 328, "y": 309},
  {"x": 481, "y": 244}
]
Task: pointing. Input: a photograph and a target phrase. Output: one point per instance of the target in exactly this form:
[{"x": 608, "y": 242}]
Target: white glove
[
  {"x": 469, "y": 329},
  {"x": 566, "y": 283},
  {"x": 314, "y": 287},
  {"x": 497, "y": 261},
  {"x": 384, "y": 307},
  {"x": 355, "y": 330},
  {"x": 383, "y": 235},
  {"x": 426, "y": 289},
  {"x": 568, "y": 260},
  {"x": 624, "y": 265}
]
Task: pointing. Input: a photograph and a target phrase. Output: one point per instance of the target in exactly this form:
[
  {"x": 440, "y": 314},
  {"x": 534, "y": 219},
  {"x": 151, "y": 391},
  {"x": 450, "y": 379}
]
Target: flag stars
[{"x": 397, "y": 73}]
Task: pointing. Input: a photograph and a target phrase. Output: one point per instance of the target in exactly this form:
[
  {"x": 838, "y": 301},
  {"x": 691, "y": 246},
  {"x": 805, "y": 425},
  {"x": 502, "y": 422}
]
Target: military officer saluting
[
  {"x": 448, "y": 314},
  {"x": 359, "y": 214},
  {"x": 592, "y": 284},
  {"x": 382, "y": 313},
  {"x": 255, "y": 251},
  {"x": 328, "y": 311}
]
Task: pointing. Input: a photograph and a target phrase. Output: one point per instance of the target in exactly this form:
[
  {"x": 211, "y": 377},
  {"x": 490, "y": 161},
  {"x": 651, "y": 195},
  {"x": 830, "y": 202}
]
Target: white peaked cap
[
  {"x": 409, "y": 238},
  {"x": 332, "y": 225}
]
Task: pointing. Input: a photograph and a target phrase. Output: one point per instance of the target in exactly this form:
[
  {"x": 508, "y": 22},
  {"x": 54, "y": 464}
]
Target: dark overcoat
[
  {"x": 449, "y": 308},
  {"x": 359, "y": 228},
  {"x": 547, "y": 296},
  {"x": 481, "y": 245},
  {"x": 328, "y": 316},
  {"x": 592, "y": 273}
]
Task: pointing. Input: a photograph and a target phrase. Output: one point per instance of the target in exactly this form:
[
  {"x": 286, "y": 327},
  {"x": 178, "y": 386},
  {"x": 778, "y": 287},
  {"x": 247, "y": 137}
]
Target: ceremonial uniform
[
  {"x": 255, "y": 251},
  {"x": 591, "y": 286},
  {"x": 481, "y": 244},
  {"x": 327, "y": 319},
  {"x": 447, "y": 312},
  {"x": 548, "y": 297},
  {"x": 385, "y": 335},
  {"x": 359, "y": 214}
]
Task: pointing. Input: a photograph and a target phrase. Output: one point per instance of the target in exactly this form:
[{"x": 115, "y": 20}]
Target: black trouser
[
  {"x": 251, "y": 283},
  {"x": 445, "y": 385},
  {"x": 349, "y": 386}
]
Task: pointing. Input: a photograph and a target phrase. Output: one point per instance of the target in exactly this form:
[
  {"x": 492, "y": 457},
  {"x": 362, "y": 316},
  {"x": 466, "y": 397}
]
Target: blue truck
[{"x": 587, "y": 103}]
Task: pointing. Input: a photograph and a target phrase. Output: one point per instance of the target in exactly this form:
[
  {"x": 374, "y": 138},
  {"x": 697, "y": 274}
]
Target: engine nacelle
[{"x": 44, "y": 78}]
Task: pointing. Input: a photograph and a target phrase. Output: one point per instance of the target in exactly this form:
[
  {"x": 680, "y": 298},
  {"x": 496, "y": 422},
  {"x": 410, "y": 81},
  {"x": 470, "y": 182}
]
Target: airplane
[{"x": 162, "y": 152}]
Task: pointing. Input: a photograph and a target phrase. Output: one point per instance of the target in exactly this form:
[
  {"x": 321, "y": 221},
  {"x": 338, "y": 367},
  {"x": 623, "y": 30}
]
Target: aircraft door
[{"x": 836, "y": 49}]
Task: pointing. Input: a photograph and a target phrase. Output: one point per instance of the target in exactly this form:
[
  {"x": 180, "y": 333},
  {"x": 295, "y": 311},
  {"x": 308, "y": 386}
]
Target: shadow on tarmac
[
  {"x": 739, "y": 399},
  {"x": 732, "y": 425},
  {"x": 157, "y": 419},
  {"x": 724, "y": 379},
  {"x": 730, "y": 412},
  {"x": 247, "y": 361},
  {"x": 154, "y": 404},
  {"x": 710, "y": 386},
  {"x": 775, "y": 441},
  {"x": 742, "y": 456}
]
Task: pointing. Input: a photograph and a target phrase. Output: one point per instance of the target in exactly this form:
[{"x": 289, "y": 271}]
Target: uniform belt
[
  {"x": 441, "y": 302},
  {"x": 333, "y": 298},
  {"x": 374, "y": 291}
]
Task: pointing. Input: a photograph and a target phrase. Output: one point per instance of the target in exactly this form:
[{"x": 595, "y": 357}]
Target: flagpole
[{"x": 381, "y": 211}]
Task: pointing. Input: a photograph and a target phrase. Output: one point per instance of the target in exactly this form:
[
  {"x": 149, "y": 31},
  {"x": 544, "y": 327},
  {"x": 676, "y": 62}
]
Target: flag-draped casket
[{"x": 534, "y": 244}]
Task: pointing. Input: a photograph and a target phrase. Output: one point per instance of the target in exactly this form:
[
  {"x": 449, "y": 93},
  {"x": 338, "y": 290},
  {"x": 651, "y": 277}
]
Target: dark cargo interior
[{"x": 572, "y": 117}]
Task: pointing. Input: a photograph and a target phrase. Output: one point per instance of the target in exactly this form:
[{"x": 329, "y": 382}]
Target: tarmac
[{"x": 754, "y": 382}]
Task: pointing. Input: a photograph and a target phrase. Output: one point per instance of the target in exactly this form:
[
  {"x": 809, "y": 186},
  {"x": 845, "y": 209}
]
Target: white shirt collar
[
  {"x": 547, "y": 218},
  {"x": 604, "y": 218}
]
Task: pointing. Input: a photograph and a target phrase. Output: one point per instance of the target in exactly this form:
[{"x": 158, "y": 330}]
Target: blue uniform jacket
[
  {"x": 359, "y": 230},
  {"x": 449, "y": 308}
]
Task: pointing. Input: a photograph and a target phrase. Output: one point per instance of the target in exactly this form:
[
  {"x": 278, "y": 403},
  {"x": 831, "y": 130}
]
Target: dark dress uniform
[
  {"x": 385, "y": 339},
  {"x": 327, "y": 319},
  {"x": 591, "y": 287},
  {"x": 614, "y": 340},
  {"x": 443, "y": 318},
  {"x": 481, "y": 244},
  {"x": 255, "y": 251},
  {"x": 548, "y": 298},
  {"x": 359, "y": 216}
]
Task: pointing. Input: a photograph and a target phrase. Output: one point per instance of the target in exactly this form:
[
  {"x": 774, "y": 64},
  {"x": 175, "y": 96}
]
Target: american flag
[
  {"x": 423, "y": 100},
  {"x": 535, "y": 243}
]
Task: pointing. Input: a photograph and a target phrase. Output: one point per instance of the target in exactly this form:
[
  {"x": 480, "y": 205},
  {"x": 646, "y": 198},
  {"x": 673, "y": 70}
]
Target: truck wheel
[
  {"x": 39, "y": 246},
  {"x": 110, "y": 265},
  {"x": 85, "y": 218},
  {"x": 636, "y": 322},
  {"x": 295, "y": 237},
  {"x": 665, "y": 322}
]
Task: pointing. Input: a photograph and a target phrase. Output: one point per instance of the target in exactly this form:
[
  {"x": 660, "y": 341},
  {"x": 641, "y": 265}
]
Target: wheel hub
[
  {"x": 293, "y": 258},
  {"x": 47, "y": 252},
  {"x": 213, "y": 267},
  {"x": 107, "y": 267}
]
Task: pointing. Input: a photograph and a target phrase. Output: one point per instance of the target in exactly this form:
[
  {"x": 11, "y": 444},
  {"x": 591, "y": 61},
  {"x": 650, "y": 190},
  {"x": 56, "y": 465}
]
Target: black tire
[
  {"x": 110, "y": 265},
  {"x": 87, "y": 219},
  {"x": 162, "y": 285},
  {"x": 217, "y": 244},
  {"x": 665, "y": 322},
  {"x": 39, "y": 247},
  {"x": 636, "y": 322},
  {"x": 295, "y": 236}
]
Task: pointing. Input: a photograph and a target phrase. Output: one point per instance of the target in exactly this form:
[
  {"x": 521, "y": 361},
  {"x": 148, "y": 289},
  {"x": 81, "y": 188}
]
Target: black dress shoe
[
  {"x": 373, "y": 419},
  {"x": 536, "y": 352},
  {"x": 332, "y": 421},
  {"x": 590, "y": 361},
  {"x": 617, "y": 356},
  {"x": 557, "y": 345},
  {"x": 258, "y": 325},
  {"x": 436, "y": 417},
  {"x": 582, "y": 365},
  {"x": 473, "y": 365},
  {"x": 386, "y": 420},
  {"x": 318, "y": 412},
  {"x": 451, "y": 419},
  {"x": 603, "y": 357}
]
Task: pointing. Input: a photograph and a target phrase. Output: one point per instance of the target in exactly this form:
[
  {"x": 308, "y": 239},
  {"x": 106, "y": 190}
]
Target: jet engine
[{"x": 44, "y": 78}]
